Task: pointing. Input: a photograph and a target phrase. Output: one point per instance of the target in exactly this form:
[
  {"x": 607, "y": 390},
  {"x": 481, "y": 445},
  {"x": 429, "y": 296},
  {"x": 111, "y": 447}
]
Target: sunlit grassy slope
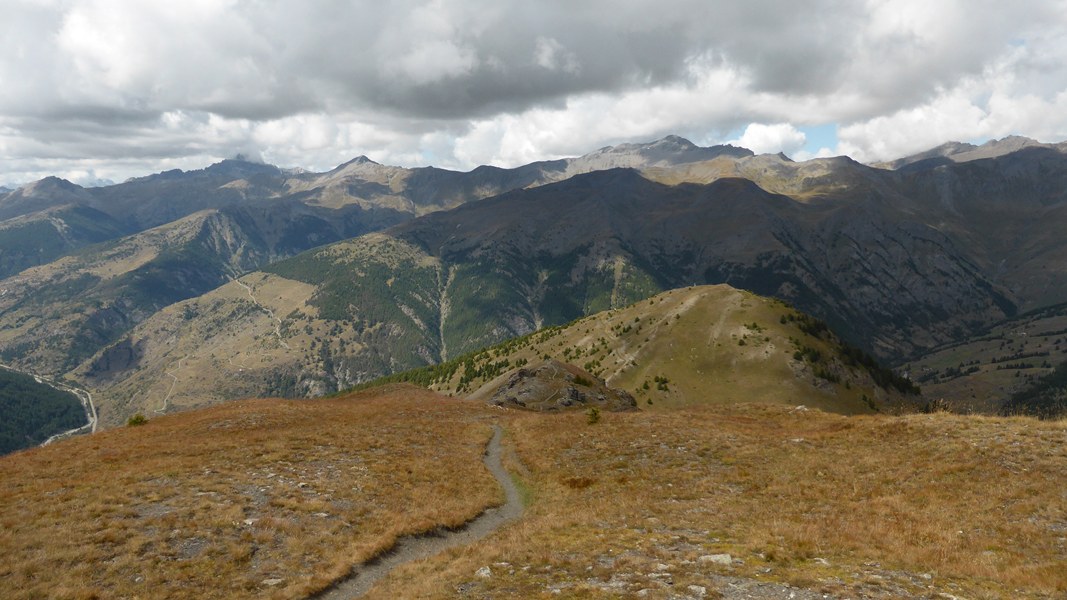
[
  {"x": 763, "y": 501},
  {"x": 698, "y": 345},
  {"x": 276, "y": 498},
  {"x": 252, "y": 499}
]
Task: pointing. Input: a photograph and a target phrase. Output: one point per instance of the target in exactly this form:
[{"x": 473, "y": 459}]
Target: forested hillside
[{"x": 30, "y": 412}]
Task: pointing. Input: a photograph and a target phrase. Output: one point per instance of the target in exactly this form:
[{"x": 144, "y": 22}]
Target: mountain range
[{"x": 182, "y": 288}]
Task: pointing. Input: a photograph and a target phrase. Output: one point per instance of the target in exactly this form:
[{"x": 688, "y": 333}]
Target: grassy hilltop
[{"x": 697, "y": 345}]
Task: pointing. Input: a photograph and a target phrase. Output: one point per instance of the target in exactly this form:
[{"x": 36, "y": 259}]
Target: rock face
[{"x": 555, "y": 386}]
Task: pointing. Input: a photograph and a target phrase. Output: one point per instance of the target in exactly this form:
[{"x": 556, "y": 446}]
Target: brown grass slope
[
  {"x": 229, "y": 350},
  {"x": 259, "y": 498},
  {"x": 275, "y": 498},
  {"x": 804, "y": 503},
  {"x": 41, "y": 306},
  {"x": 698, "y": 345}
]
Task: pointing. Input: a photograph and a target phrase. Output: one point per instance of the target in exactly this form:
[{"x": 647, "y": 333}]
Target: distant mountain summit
[
  {"x": 667, "y": 152},
  {"x": 960, "y": 152},
  {"x": 45, "y": 194},
  {"x": 241, "y": 168}
]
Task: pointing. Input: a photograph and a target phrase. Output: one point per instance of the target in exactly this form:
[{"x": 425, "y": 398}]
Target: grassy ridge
[
  {"x": 24, "y": 245},
  {"x": 277, "y": 498},
  {"x": 707, "y": 343}
]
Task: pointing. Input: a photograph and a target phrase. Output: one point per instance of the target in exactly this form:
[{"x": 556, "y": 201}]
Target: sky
[{"x": 103, "y": 90}]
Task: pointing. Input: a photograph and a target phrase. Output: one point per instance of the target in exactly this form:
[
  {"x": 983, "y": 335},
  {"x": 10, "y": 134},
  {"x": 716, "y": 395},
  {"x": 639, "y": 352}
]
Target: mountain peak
[
  {"x": 674, "y": 140},
  {"x": 241, "y": 157},
  {"x": 666, "y": 152},
  {"x": 240, "y": 167},
  {"x": 50, "y": 184},
  {"x": 960, "y": 152},
  {"x": 359, "y": 160},
  {"x": 1011, "y": 143}
]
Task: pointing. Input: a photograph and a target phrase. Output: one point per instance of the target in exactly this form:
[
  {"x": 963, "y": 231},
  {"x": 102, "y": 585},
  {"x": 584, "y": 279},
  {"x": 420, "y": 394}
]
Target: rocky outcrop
[{"x": 555, "y": 386}]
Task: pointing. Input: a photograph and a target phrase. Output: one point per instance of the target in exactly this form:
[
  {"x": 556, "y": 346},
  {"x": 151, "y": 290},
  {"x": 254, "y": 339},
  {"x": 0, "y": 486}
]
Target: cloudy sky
[{"x": 108, "y": 89}]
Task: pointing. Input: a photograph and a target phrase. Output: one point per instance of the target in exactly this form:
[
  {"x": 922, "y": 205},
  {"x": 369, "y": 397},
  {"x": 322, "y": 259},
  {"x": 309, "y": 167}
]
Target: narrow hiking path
[{"x": 414, "y": 547}]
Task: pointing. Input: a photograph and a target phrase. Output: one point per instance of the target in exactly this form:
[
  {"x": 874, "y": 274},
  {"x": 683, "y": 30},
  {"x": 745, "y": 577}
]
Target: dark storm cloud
[
  {"x": 206, "y": 75},
  {"x": 447, "y": 59}
]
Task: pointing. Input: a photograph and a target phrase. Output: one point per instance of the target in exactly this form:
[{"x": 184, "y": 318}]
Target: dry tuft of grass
[
  {"x": 870, "y": 506},
  {"x": 265, "y": 498}
]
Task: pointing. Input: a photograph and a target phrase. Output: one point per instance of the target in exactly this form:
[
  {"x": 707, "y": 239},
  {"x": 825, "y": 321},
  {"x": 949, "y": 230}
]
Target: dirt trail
[
  {"x": 170, "y": 391},
  {"x": 416, "y": 547}
]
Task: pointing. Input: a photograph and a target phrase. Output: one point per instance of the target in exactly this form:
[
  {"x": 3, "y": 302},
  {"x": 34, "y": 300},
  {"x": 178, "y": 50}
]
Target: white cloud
[
  {"x": 125, "y": 87},
  {"x": 771, "y": 139},
  {"x": 435, "y": 60},
  {"x": 1011, "y": 96}
]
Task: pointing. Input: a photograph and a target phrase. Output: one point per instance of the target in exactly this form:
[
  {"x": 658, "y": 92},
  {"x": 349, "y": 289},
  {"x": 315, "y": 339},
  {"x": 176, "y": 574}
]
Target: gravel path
[{"x": 415, "y": 547}]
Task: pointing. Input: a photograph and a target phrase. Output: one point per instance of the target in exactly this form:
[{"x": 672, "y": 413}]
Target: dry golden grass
[
  {"x": 220, "y": 502},
  {"x": 883, "y": 507}
]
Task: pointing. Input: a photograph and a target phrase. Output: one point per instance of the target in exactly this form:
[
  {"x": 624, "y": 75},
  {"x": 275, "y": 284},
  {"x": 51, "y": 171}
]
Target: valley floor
[{"x": 278, "y": 498}]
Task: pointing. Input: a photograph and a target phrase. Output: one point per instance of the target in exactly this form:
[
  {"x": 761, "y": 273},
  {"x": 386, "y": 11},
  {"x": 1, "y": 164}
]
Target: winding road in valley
[
  {"x": 415, "y": 547},
  {"x": 170, "y": 392},
  {"x": 83, "y": 395},
  {"x": 266, "y": 309}
]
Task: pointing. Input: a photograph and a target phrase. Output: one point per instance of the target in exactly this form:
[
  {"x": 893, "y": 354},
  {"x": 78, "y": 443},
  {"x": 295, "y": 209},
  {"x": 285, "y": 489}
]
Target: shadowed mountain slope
[{"x": 897, "y": 262}]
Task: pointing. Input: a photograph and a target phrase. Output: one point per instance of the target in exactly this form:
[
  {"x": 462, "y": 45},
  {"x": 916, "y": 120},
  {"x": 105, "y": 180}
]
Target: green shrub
[
  {"x": 135, "y": 420},
  {"x": 593, "y": 415}
]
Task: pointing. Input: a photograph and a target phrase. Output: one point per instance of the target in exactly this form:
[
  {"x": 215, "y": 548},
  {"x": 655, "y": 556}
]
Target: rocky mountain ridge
[
  {"x": 897, "y": 261},
  {"x": 260, "y": 214},
  {"x": 959, "y": 152}
]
